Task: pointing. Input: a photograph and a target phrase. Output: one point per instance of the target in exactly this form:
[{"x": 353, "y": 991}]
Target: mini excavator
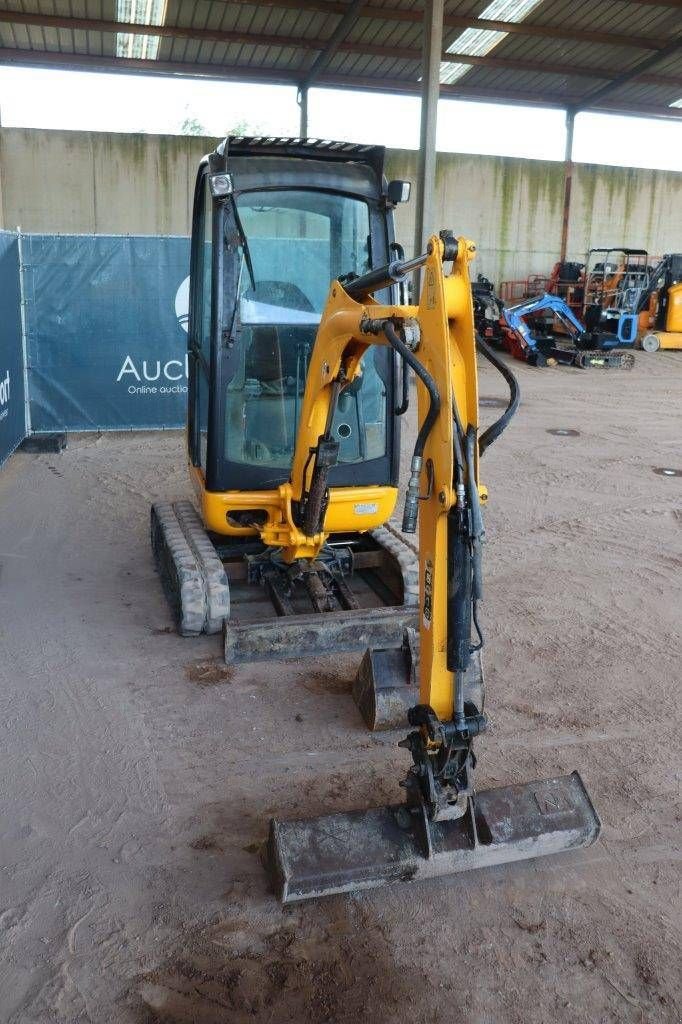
[{"x": 277, "y": 480}]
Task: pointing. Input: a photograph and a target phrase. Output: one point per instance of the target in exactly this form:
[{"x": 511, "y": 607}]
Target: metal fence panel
[
  {"x": 106, "y": 331},
  {"x": 12, "y": 405}
]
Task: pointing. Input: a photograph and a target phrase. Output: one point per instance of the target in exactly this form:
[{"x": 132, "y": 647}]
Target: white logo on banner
[
  {"x": 182, "y": 305},
  {"x": 155, "y": 372},
  {"x": 4, "y": 397},
  {"x": 150, "y": 375}
]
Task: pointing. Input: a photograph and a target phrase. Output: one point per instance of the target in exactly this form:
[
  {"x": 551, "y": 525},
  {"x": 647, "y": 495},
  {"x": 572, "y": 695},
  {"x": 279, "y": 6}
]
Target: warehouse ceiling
[{"x": 620, "y": 56}]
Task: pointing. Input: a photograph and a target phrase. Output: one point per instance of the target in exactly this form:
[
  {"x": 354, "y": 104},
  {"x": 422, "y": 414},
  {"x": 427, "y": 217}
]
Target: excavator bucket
[
  {"x": 386, "y": 685},
  {"x": 341, "y": 853}
]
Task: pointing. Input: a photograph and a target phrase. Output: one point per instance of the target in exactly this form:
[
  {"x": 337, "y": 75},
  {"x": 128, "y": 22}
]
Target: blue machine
[{"x": 536, "y": 343}]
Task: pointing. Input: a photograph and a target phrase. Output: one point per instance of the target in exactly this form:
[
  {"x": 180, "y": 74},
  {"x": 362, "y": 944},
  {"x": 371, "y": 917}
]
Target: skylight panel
[
  {"x": 140, "y": 12},
  {"x": 479, "y": 41}
]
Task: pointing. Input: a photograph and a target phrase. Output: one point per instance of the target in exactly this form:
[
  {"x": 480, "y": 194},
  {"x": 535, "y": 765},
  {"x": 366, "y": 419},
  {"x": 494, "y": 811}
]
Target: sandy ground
[{"x": 138, "y": 775}]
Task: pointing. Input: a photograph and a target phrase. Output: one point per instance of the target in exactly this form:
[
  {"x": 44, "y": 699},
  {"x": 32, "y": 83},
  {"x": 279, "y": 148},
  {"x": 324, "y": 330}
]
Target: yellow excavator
[{"x": 298, "y": 516}]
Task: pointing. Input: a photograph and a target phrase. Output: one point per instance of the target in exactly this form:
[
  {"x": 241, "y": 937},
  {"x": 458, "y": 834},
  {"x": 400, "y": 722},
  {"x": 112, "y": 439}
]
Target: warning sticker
[{"x": 428, "y": 593}]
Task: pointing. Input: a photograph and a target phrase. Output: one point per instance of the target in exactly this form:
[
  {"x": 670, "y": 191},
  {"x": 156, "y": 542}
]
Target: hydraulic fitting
[
  {"x": 411, "y": 510},
  {"x": 411, "y": 333}
]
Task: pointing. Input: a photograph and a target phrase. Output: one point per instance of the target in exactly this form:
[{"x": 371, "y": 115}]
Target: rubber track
[
  {"x": 407, "y": 559},
  {"x": 192, "y": 575}
]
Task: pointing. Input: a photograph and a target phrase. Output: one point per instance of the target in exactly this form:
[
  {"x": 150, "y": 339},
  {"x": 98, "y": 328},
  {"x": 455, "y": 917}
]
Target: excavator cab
[
  {"x": 615, "y": 280},
  {"x": 274, "y": 221},
  {"x": 297, "y": 215}
]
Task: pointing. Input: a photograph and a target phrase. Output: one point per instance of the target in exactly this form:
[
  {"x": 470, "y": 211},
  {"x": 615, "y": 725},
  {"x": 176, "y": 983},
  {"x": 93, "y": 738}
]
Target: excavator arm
[
  {"x": 443, "y": 826},
  {"x": 437, "y": 339}
]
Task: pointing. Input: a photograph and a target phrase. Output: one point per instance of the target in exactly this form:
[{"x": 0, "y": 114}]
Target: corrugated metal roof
[{"x": 560, "y": 54}]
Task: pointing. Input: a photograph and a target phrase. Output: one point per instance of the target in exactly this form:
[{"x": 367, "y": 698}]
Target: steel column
[
  {"x": 302, "y": 100},
  {"x": 568, "y": 180},
  {"x": 430, "y": 82}
]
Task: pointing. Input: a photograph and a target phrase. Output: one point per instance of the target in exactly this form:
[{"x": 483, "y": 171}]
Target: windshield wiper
[{"x": 244, "y": 243}]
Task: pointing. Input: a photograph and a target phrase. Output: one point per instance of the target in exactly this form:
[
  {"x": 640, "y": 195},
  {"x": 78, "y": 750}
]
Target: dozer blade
[{"x": 341, "y": 853}]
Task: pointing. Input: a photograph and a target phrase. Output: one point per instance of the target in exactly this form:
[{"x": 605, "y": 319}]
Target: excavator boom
[{"x": 443, "y": 825}]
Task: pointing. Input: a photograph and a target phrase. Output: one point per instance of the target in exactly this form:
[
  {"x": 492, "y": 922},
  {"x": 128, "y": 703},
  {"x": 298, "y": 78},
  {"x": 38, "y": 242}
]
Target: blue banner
[
  {"x": 106, "y": 326},
  {"x": 12, "y": 407}
]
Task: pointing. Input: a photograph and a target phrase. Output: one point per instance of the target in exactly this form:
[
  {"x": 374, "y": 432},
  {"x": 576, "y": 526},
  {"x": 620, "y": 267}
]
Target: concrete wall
[
  {"x": 513, "y": 209},
  {"x": 98, "y": 183},
  {"x": 142, "y": 184}
]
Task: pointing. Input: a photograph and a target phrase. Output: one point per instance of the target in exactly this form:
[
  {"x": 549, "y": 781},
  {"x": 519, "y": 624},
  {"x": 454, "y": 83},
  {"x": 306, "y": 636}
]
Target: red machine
[{"x": 564, "y": 280}]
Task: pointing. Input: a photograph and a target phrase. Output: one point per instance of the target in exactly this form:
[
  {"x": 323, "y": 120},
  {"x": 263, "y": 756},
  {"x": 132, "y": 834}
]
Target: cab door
[{"x": 200, "y": 321}]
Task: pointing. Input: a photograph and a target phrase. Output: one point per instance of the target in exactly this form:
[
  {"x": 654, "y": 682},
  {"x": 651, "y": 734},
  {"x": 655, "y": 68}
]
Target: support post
[
  {"x": 2, "y": 156},
  {"x": 23, "y": 307},
  {"x": 302, "y": 100},
  {"x": 426, "y": 182},
  {"x": 568, "y": 180}
]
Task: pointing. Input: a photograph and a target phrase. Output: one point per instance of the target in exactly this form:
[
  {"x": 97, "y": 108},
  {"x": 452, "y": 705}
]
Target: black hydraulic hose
[
  {"x": 427, "y": 380},
  {"x": 495, "y": 429},
  {"x": 411, "y": 509}
]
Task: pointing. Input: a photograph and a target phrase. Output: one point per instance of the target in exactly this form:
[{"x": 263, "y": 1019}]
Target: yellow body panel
[
  {"x": 671, "y": 337},
  {"x": 449, "y": 354},
  {"x": 673, "y": 321},
  {"x": 670, "y": 340},
  {"x": 351, "y": 510}
]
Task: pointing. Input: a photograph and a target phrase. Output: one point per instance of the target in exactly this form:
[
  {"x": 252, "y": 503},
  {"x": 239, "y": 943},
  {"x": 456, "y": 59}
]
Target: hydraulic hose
[
  {"x": 412, "y": 497},
  {"x": 495, "y": 429},
  {"x": 425, "y": 377}
]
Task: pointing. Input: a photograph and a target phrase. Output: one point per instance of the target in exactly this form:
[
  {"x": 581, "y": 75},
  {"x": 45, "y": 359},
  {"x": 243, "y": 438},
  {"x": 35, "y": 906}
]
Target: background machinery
[
  {"x": 544, "y": 330},
  {"x": 660, "y": 306},
  {"x": 444, "y": 824},
  {"x": 487, "y": 311},
  {"x": 614, "y": 281},
  {"x": 274, "y": 221}
]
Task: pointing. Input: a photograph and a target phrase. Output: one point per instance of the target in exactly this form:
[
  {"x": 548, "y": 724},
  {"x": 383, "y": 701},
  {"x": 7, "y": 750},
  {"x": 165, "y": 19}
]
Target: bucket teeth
[{"x": 341, "y": 853}]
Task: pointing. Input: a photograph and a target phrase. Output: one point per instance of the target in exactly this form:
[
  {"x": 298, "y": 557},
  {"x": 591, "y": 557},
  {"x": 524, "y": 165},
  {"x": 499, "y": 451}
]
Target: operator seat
[
  {"x": 268, "y": 430},
  {"x": 264, "y": 358}
]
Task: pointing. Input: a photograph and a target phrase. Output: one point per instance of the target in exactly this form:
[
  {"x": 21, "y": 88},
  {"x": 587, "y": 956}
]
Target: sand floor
[{"x": 137, "y": 774}]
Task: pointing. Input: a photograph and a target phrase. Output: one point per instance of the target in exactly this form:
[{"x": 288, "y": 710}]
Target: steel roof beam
[
  {"x": 327, "y": 49},
  {"x": 334, "y": 42},
  {"x": 327, "y": 7},
  {"x": 129, "y": 65},
  {"x": 673, "y": 47}
]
